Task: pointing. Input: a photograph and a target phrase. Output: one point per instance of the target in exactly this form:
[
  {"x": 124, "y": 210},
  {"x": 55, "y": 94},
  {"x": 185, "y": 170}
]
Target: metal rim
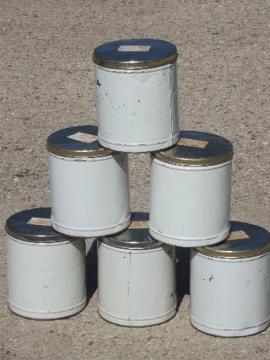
[
  {"x": 233, "y": 255},
  {"x": 188, "y": 155},
  {"x": 245, "y": 240},
  {"x": 135, "y": 65},
  {"x": 113, "y": 242},
  {"x": 159, "y": 53},
  {"x": 102, "y": 152},
  {"x": 194, "y": 162},
  {"x": 18, "y": 227}
]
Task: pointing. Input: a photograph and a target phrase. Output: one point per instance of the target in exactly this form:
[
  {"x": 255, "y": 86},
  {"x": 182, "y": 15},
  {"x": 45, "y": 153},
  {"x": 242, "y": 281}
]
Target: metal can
[
  {"x": 89, "y": 184},
  {"x": 136, "y": 277},
  {"x": 45, "y": 270},
  {"x": 190, "y": 191},
  {"x": 230, "y": 283},
  {"x": 136, "y": 94}
]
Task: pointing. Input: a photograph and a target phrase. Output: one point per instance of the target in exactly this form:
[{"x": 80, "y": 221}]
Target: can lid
[
  {"x": 33, "y": 225},
  {"x": 132, "y": 54},
  {"x": 197, "y": 148},
  {"x": 77, "y": 141},
  {"x": 136, "y": 236},
  {"x": 245, "y": 240}
]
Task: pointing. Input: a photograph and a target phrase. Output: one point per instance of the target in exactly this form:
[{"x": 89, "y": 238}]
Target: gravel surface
[{"x": 47, "y": 83}]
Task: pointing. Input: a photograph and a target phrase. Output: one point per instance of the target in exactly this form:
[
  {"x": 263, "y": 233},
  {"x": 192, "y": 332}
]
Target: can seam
[
  {"x": 127, "y": 220},
  {"x": 188, "y": 167},
  {"x": 173, "y": 138},
  {"x": 47, "y": 312},
  {"x": 173, "y": 309},
  {"x": 228, "y": 329},
  {"x": 157, "y": 248},
  {"x": 38, "y": 242}
]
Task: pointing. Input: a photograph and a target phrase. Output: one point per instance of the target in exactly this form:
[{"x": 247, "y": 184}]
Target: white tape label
[
  {"x": 83, "y": 137},
  {"x": 39, "y": 221},
  {"x": 134, "y": 48},
  {"x": 238, "y": 235},
  {"x": 193, "y": 142},
  {"x": 139, "y": 224}
]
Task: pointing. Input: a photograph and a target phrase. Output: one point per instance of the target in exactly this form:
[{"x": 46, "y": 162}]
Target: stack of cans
[{"x": 190, "y": 184}]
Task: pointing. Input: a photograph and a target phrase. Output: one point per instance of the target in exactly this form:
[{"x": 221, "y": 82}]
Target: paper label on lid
[
  {"x": 139, "y": 224},
  {"x": 83, "y": 137},
  {"x": 39, "y": 221},
  {"x": 134, "y": 48},
  {"x": 238, "y": 235},
  {"x": 193, "y": 142}
]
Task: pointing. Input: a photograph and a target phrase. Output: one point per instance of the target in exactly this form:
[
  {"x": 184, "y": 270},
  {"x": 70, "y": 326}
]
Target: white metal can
[
  {"x": 45, "y": 270},
  {"x": 136, "y": 277},
  {"x": 136, "y": 94},
  {"x": 89, "y": 184},
  {"x": 190, "y": 191},
  {"x": 230, "y": 283}
]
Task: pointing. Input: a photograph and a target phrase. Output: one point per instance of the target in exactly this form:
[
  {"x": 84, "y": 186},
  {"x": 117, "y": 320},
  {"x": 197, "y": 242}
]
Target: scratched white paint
[
  {"x": 137, "y": 109},
  {"x": 230, "y": 297},
  {"x": 89, "y": 196},
  {"x": 136, "y": 287},
  {"x": 189, "y": 205},
  {"x": 46, "y": 280}
]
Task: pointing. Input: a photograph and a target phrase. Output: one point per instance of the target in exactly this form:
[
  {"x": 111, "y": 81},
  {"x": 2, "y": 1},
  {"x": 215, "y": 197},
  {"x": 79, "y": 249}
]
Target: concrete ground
[{"x": 47, "y": 82}]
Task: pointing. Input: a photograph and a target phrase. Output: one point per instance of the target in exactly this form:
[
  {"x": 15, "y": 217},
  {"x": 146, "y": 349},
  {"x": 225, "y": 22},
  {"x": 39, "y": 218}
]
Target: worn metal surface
[
  {"x": 89, "y": 196},
  {"x": 45, "y": 279},
  {"x": 137, "y": 110},
  {"x": 136, "y": 286},
  {"x": 229, "y": 297},
  {"x": 189, "y": 205}
]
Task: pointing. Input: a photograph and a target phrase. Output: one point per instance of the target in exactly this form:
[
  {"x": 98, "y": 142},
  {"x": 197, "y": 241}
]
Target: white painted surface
[
  {"x": 230, "y": 297},
  {"x": 137, "y": 109},
  {"x": 46, "y": 280},
  {"x": 136, "y": 287},
  {"x": 189, "y": 205},
  {"x": 89, "y": 196}
]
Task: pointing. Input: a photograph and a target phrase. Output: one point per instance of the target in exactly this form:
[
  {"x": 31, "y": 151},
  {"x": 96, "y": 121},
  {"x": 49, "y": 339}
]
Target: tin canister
[
  {"x": 89, "y": 184},
  {"x": 190, "y": 191},
  {"x": 136, "y": 277},
  {"x": 230, "y": 283},
  {"x": 136, "y": 94},
  {"x": 45, "y": 270}
]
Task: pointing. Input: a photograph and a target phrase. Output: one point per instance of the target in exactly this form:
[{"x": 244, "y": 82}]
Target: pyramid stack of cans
[{"x": 137, "y": 111}]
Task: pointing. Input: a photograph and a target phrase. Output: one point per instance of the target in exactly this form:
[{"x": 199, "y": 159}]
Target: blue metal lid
[
  {"x": 33, "y": 225},
  {"x": 197, "y": 148},
  {"x": 245, "y": 240},
  {"x": 77, "y": 141},
  {"x": 132, "y": 54}
]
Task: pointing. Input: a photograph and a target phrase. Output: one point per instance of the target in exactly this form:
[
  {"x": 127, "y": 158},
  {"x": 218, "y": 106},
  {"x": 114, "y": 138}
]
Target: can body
[
  {"x": 190, "y": 205},
  {"x": 230, "y": 297},
  {"x": 137, "y": 109},
  {"x": 136, "y": 287},
  {"x": 46, "y": 280},
  {"x": 89, "y": 196}
]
